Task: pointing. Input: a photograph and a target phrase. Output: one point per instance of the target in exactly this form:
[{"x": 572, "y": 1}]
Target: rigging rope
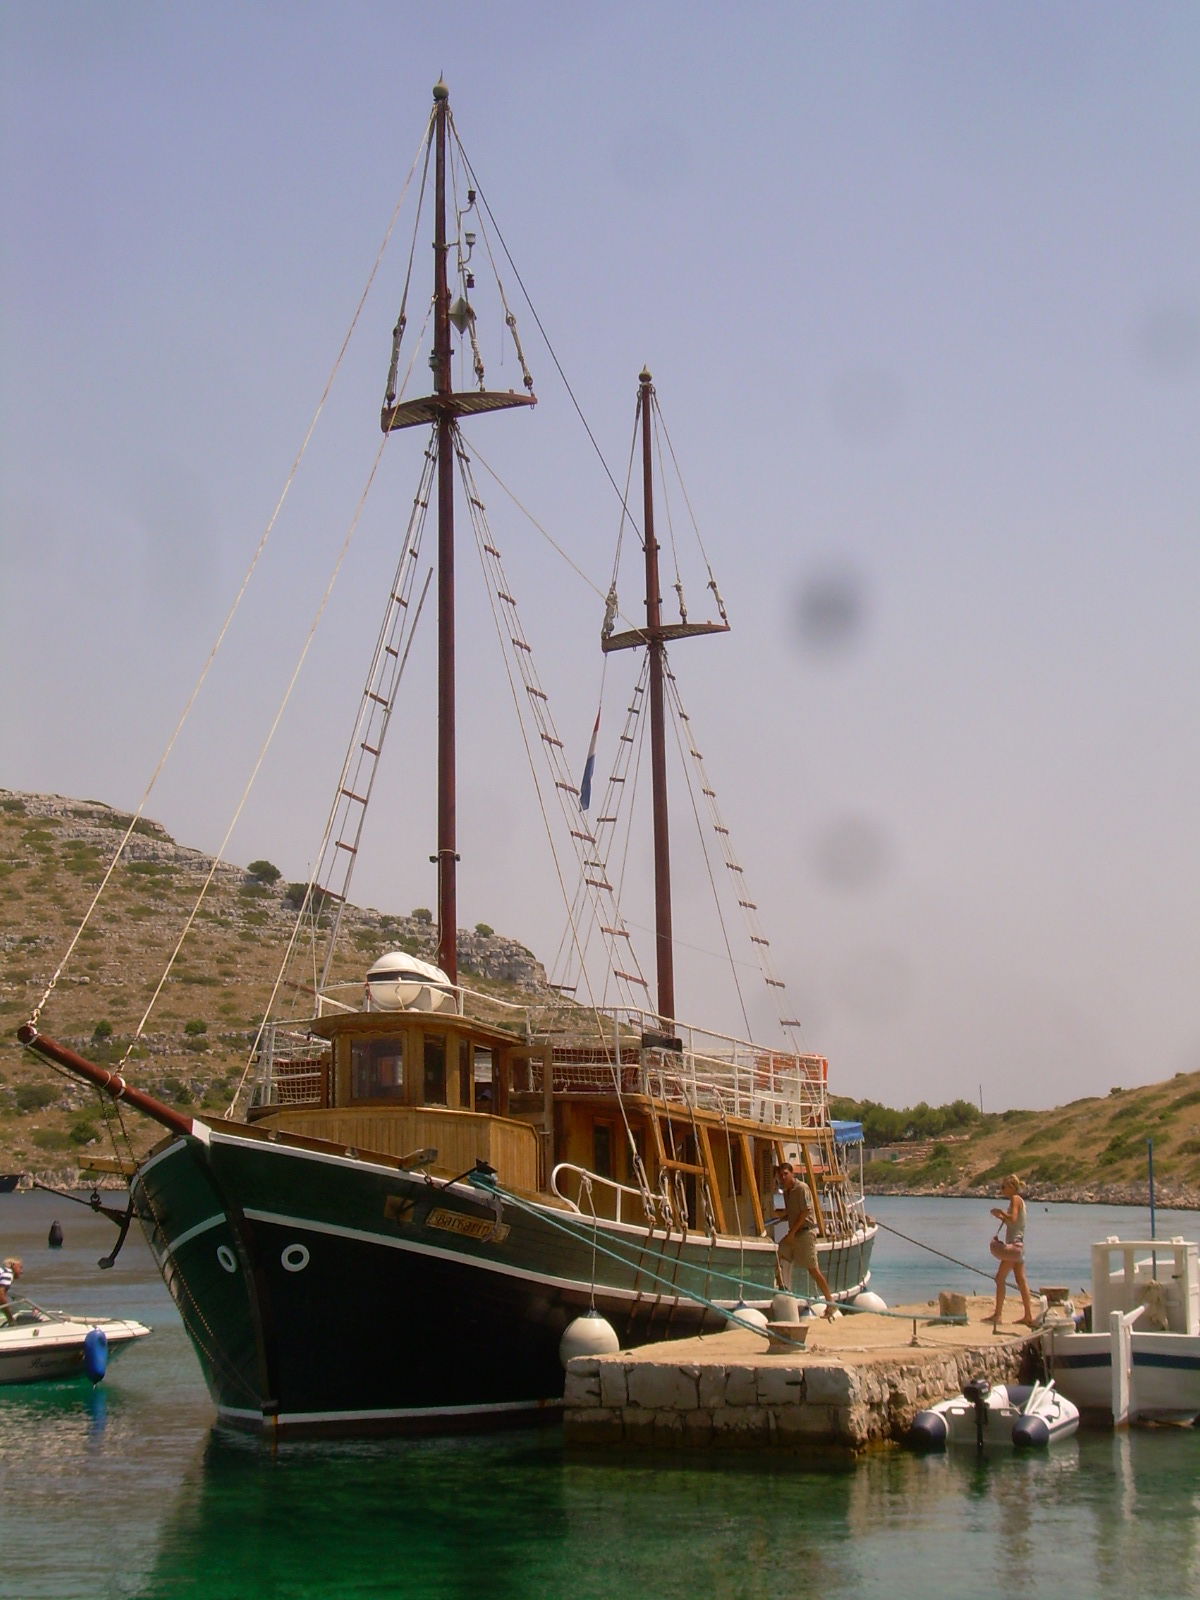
[
  {"x": 953, "y": 1260},
  {"x": 255, "y": 560},
  {"x": 517, "y": 655},
  {"x": 262, "y": 754},
  {"x": 638, "y": 1265}
]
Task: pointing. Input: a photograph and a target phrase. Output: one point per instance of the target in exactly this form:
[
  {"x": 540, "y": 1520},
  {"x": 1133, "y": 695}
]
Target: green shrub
[
  {"x": 83, "y": 1131},
  {"x": 34, "y": 1096},
  {"x": 296, "y": 894},
  {"x": 51, "y": 1139},
  {"x": 1053, "y": 1169},
  {"x": 264, "y": 872}
]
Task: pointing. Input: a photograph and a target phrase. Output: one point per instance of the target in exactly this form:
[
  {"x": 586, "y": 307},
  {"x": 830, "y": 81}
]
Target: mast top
[{"x": 441, "y": 90}]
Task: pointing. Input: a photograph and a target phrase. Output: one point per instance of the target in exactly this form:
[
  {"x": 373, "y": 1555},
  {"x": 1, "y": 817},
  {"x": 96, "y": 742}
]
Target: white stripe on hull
[{"x": 314, "y": 1419}]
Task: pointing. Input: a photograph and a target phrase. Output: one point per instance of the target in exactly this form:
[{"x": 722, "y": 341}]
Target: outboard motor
[{"x": 977, "y": 1391}]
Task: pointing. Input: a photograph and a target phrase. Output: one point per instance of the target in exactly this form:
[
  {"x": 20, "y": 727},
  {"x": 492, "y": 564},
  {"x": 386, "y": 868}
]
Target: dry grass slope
[
  {"x": 193, "y": 1053},
  {"x": 53, "y": 853},
  {"x": 1091, "y": 1149}
]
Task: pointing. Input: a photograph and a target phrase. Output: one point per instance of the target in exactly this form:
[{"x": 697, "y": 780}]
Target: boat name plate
[{"x": 470, "y": 1227}]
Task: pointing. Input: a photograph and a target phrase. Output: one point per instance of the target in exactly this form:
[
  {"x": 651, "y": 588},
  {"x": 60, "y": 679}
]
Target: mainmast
[
  {"x": 654, "y": 639},
  {"x": 664, "y": 938},
  {"x": 443, "y": 408},
  {"x": 447, "y": 856}
]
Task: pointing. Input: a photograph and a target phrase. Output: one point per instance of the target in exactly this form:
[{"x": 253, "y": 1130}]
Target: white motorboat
[
  {"x": 37, "y": 1344},
  {"x": 1139, "y": 1360},
  {"x": 1022, "y": 1416}
]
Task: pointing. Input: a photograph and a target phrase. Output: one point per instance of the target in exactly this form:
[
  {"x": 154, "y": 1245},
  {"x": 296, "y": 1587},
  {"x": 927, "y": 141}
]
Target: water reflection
[
  {"x": 126, "y": 1491},
  {"x": 519, "y": 1516}
]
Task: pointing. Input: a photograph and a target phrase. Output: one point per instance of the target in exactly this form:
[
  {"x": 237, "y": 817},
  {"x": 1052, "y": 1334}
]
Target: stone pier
[{"x": 857, "y": 1383}]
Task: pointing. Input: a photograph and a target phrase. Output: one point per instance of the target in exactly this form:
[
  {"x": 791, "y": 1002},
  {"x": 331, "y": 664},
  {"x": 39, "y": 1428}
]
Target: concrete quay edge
[{"x": 856, "y": 1385}]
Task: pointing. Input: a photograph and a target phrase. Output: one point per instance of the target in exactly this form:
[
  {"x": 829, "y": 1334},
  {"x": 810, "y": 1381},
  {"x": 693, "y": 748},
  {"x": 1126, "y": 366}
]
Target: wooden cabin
[{"x": 547, "y": 1113}]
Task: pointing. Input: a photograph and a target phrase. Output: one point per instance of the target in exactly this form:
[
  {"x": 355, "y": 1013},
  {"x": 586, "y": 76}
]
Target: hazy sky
[{"x": 919, "y": 287}]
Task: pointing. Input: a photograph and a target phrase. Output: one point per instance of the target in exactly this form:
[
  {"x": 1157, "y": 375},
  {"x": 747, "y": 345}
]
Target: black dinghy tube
[{"x": 928, "y": 1431}]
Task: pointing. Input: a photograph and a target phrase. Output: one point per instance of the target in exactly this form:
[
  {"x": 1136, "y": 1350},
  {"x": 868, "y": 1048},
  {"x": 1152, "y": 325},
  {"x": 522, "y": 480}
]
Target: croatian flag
[{"x": 589, "y": 766}]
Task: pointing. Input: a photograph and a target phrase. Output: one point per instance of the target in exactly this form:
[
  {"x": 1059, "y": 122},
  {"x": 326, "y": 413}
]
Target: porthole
[
  {"x": 294, "y": 1258},
  {"x": 227, "y": 1258}
]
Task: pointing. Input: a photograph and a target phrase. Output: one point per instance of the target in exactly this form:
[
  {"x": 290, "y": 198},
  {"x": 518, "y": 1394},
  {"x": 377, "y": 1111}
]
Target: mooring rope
[
  {"x": 921, "y": 1245},
  {"x": 489, "y": 1186}
]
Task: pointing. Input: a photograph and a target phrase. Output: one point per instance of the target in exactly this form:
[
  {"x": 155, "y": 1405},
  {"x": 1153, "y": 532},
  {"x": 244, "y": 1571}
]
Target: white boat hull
[
  {"x": 1145, "y": 1314},
  {"x": 50, "y": 1344},
  {"x": 1165, "y": 1381}
]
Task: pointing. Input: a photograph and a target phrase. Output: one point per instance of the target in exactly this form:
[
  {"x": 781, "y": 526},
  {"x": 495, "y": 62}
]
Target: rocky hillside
[
  {"x": 53, "y": 854},
  {"x": 1094, "y": 1149}
]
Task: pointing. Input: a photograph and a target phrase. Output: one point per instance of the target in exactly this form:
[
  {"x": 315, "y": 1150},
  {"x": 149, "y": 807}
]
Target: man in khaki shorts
[{"x": 798, "y": 1247}]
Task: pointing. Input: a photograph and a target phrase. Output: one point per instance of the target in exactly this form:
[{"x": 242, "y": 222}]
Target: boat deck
[{"x": 857, "y": 1383}]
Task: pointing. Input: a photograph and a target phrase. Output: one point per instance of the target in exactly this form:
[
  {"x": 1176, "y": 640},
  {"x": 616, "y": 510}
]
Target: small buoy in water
[
  {"x": 748, "y": 1314},
  {"x": 869, "y": 1301},
  {"x": 95, "y": 1354},
  {"x": 56, "y": 1236},
  {"x": 589, "y": 1335}
]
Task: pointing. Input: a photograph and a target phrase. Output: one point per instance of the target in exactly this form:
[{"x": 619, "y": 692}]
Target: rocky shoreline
[{"x": 1167, "y": 1196}]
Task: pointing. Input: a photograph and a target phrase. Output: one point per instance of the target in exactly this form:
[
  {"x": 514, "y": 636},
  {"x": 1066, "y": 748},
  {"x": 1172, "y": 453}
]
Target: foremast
[{"x": 443, "y": 408}]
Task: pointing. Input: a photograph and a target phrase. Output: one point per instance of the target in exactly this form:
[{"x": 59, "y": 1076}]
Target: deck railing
[
  {"x": 603, "y": 1052},
  {"x": 644, "y": 1204}
]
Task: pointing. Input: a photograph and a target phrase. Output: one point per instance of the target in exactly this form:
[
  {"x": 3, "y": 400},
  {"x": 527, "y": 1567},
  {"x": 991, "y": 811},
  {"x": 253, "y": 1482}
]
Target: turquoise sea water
[{"x": 128, "y": 1491}]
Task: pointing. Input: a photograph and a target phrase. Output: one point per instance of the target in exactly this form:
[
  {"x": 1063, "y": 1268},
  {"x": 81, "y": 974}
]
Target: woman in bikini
[{"x": 1014, "y": 1236}]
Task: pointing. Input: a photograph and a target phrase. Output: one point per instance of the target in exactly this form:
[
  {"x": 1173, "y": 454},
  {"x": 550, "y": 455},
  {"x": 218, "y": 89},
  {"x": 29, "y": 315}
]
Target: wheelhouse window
[
  {"x": 434, "y": 1084},
  {"x": 377, "y": 1069},
  {"x": 602, "y": 1149},
  {"x": 482, "y": 1075},
  {"x": 465, "y": 1058}
]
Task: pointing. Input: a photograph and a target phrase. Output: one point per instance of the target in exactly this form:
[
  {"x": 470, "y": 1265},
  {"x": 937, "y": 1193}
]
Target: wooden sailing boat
[{"x": 430, "y": 1186}]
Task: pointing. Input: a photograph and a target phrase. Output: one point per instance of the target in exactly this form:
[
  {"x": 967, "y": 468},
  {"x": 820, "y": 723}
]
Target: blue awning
[{"x": 848, "y": 1132}]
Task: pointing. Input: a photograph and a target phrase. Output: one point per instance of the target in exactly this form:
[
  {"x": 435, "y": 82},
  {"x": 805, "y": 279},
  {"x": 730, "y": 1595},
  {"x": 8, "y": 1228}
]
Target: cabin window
[
  {"x": 434, "y": 1087},
  {"x": 602, "y": 1151},
  {"x": 377, "y": 1069},
  {"x": 482, "y": 1072},
  {"x": 464, "y": 1074}
]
